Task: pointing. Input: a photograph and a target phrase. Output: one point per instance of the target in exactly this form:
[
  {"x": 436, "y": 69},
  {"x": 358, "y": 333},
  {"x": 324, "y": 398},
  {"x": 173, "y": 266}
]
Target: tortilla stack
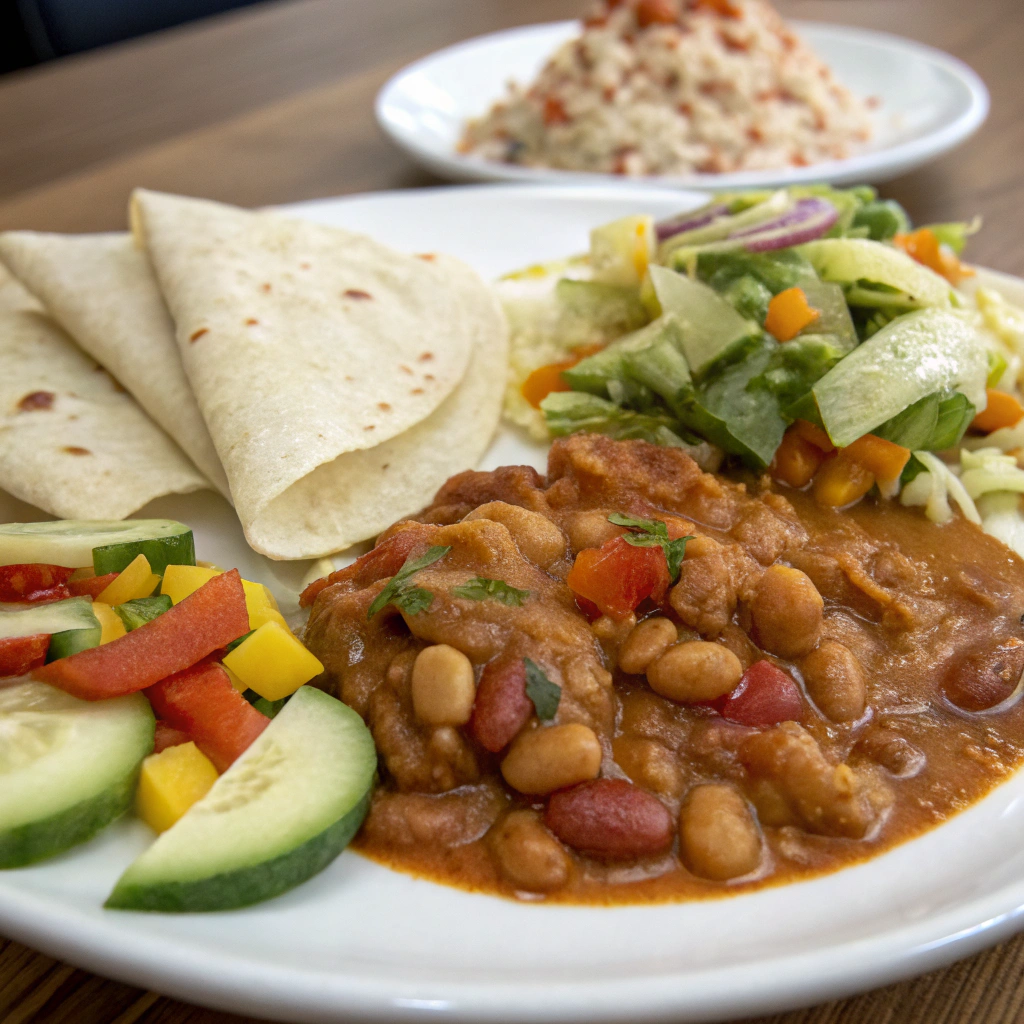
[
  {"x": 303, "y": 344},
  {"x": 101, "y": 290},
  {"x": 72, "y": 441}
]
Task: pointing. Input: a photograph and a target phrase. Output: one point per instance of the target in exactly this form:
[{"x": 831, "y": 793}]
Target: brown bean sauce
[{"x": 928, "y": 617}]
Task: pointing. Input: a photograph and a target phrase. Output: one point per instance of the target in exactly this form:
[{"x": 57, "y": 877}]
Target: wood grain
[{"x": 272, "y": 104}]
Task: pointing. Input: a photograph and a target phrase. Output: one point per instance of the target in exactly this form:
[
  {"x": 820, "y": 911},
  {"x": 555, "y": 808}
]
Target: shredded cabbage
[
  {"x": 1001, "y": 518},
  {"x": 934, "y": 488},
  {"x": 987, "y": 470}
]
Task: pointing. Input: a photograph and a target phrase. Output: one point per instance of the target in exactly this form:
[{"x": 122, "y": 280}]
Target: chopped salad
[{"x": 809, "y": 332}]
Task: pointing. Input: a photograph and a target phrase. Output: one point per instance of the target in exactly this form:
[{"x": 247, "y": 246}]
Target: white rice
[{"x": 710, "y": 93}]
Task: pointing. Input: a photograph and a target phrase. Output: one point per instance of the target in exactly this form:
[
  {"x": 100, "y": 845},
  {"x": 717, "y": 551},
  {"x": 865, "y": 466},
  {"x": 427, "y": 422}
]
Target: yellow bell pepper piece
[
  {"x": 170, "y": 783},
  {"x": 111, "y": 626},
  {"x": 260, "y": 604},
  {"x": 136, "y": 580},
  {"x": 273, "y": 662},
  {"x": 233, "y": 679},
  {"x": 182, "y": 580}
]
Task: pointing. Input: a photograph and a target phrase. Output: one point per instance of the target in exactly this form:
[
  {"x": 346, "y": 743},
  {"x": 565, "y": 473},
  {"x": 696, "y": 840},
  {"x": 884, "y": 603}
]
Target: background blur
[{"x": 32, "y": 31}]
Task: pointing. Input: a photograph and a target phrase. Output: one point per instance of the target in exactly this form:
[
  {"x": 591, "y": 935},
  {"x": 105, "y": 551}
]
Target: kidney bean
[
  {"x": 610, "y": 818},
  {"x": 765, "y": 696},
  {"x": 985, "y": 678},
  {"x": 501, "y": 708}
]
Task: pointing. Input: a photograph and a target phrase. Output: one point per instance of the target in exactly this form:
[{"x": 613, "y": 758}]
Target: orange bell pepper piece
[
  {"x": 813, "y": 434},
  {"x": 923, "y": 245},
  {"x": 796, "y": 459},
  {"x": 789, "y": 313},
  {"x": 883, "y": 459},
  {"x": 841, "y": 482},
  {"x": 1002, "y": 410},
  {"x": 546, "y": 379}
]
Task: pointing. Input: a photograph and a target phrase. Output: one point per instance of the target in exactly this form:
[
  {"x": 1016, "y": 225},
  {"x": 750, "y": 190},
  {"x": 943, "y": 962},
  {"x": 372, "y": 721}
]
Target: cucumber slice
[
  {"x": 280, "y": 814},
  {"x": 913, "y": 356},
  {"x": 74, "y": 613},
  {"x": 67, "y": 767},
  {"x": 106, "y": 545}
]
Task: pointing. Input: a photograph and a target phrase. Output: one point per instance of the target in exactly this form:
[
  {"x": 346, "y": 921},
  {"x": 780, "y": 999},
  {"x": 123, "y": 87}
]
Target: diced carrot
[
  {"x": 796, "y": 460},
  {"x": 202, "y": 702},
  {"x": 841, "y": 482},
  {"x": 91, "y": 585},
  {"x": 883, "y": 459},
  {"x": 554, "y": 111},
  {"x": 167, "y": 736},
  {"x": 813, "y": 434},
  {"x": 1002, "y": 410},
  {"x": 546, "y": 379},
  {"x": 923, "y": 245},
  {"x": 789, "y": 313},
  {"x": 208, "y": 619},
  {"x": 656, "y": 12},
  {"x": 22, "y": 654},
  {"x": 618, "y": 575},
  {"x": 33, "y": 582},
  {"x": 725, "y": 8}
]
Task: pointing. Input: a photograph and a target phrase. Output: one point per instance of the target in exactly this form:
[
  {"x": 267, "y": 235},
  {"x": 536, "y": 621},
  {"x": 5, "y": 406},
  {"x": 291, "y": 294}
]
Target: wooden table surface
[{"x": 273, "y": 104}]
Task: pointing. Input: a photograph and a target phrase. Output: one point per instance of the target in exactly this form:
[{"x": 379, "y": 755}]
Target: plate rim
[
  {"x": 785, "y": 982},
  {"x": 874, "y": 166}
]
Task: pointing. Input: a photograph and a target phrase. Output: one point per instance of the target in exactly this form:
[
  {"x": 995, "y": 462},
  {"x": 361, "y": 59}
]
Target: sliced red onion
[
  {"x": 811, "y": 218},
  {"x": 683, "y": 222}
]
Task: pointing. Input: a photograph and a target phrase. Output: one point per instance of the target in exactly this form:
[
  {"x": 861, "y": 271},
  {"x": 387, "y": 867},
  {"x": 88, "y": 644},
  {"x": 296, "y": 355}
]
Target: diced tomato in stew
[
  {"x": 765, "y": 696},
  {"x": 202, "y": 703},
  {"x": 21, "y": 654},
  {"x": 34, "y": 582},
  {"x": 617, "y": 576}
]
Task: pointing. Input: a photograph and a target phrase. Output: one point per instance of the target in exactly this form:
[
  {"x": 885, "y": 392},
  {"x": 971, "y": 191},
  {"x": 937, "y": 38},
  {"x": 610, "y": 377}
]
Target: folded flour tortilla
[
  {"x": 362, "y": 493},
  {"x": 304, "y": 344},
  {"x": 71, "y": 441},
  {"x": 101, "y": 290}
]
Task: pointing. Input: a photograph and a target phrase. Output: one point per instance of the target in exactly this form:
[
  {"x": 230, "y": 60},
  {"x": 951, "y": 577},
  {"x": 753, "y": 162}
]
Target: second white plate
[{"x": 930, "y": 102}]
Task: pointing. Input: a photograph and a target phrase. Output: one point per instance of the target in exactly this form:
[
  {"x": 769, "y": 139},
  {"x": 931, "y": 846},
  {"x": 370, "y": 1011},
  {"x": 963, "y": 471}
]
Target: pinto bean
[
  {"x": 835, "y": 680},
  {"x": 646, "y": 643},
  {"x": 552, "y": 757},
  {"x": 591, "y": 530},
  {"x": 786, "y": 612},
  {"x": 443, "y": 686},
  {"x": 695, "y": 671},
  {"x": 529, "y": 856},
  {"x": 610, "y": 818},
  {"x": 535, "y": 535},
  {"x": 718, "y": 836},
  {"x": 501, "y": 708},
  {"x": 649, "y": 764}
]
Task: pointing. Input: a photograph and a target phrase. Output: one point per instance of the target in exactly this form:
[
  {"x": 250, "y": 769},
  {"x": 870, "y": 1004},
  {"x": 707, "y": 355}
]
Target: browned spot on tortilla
[
  {"x": 384, "y": 407},
  {"x": 305, "y": 266},
  {"x": 251, "y": 322},
  {"x": 425, "y": 357},
  {"x": 265, "y": 287},
  {"x": 416, "y": 391},
  {"x": 75, "y": 450},
  {"x": 349, "y": 377},
  {"x": 385, "y": 466},
  {"x": 428, "y": 256},
  {"x": 196, "y": 335},
  {"x": 37, "y": 400},
  {"x": 428, "y": 376},
  {"x": 405, "y": 369},
  {"x": 370, "y": 427},
  {"x": 356, "y": 293}
]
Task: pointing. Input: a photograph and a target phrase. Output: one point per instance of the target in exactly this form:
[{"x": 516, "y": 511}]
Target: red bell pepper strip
[
  {"x": 764, "y": 696},
  {"x": 166, "y": 736},
  {"x": 91, "y": 586},
  {"x": 33, "y": 582},
  {"x": 203, "y": 622},
  {"x": 202, "y": 702},
  {"x": 22, "y": 654},
  {"x": 617, "y": 576}
]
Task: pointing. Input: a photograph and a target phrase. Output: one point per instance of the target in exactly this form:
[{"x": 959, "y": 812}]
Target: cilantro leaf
[
  {"x": 481, "y": 587},
  {"x": 545, "y": 694},
  {"x": 653, "y": 533},
  {"x": 401, "y": 593}
]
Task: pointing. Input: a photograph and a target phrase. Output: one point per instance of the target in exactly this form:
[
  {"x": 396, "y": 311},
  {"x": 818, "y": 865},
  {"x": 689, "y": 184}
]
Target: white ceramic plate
[
  {"x": 361, "y": 943},
  {"x": 931, "y": 102}
]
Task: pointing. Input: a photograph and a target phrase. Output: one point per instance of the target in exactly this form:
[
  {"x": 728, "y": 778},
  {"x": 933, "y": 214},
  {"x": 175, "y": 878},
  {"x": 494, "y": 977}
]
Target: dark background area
[{"x": 32, "y": 31}]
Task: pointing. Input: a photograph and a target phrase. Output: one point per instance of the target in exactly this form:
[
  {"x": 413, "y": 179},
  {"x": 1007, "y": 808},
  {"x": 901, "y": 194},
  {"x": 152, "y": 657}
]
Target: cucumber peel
[
  {"x": 279, "y": 815},
  {"x": 68, "y": 767}
]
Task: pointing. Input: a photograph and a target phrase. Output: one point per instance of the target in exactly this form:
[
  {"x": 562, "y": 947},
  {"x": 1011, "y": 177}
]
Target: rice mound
[{"x": 675, "y": 87}]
